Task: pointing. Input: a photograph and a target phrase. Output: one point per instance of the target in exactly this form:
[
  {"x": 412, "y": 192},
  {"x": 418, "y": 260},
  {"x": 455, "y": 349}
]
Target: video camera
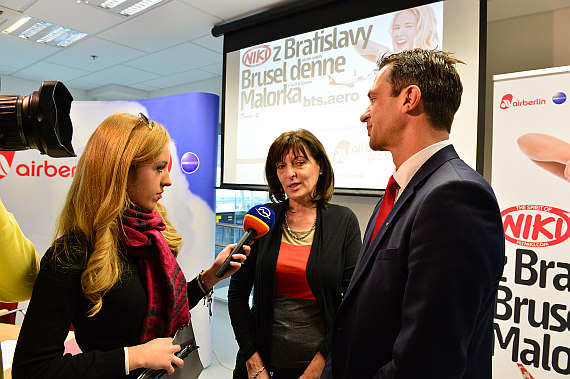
[{"x": 38, "y": 121}]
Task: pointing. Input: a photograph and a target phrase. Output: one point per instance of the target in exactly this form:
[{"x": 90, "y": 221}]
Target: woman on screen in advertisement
[
  {"x": 410, "y": 28},
  {"x": 112, "y": 269},
  {"x": 548, "y": 152},
  {"x": 298, "y": 271}
]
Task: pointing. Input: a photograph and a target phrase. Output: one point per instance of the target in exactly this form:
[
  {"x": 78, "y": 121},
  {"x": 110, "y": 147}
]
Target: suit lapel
[{"x": 369, "y": 248}]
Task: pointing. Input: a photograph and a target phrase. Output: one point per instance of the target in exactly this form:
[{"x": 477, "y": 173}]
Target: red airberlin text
[
  {"x": 535, "y": 225},
  {"x": 507, "y": 102},
  {"x": 45, "y": 169}
]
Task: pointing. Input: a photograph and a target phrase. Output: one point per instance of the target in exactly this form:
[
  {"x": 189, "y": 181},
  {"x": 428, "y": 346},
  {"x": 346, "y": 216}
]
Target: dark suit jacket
[{"x": 421, "y": 301}]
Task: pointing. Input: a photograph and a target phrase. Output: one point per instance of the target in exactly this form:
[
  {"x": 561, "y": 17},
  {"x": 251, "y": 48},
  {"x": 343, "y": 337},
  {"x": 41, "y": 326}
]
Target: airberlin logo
[
  {"x": 256, "y": 56},
  {"x": 508, "y": 102},
  {"x": 6, "y": 158},
  {"x": 341, "y": 152},
  {"x": 35, "y": 169},
  {"x": 535, "y": 225}
]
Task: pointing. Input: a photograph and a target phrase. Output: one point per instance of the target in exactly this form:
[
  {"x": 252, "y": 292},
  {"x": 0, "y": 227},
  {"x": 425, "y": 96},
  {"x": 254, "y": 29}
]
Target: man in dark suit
[{"x": 421, "y": 301}]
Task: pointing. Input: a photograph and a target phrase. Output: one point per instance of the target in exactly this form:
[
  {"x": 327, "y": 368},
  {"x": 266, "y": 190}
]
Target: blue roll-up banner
[{"x": 33, "y": 186}]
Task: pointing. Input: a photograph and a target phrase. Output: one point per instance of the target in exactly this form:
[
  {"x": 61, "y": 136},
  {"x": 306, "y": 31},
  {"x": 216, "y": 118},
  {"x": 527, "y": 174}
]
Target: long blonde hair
[
  {"x": 98, "y": 196},
  {"x": 426, "y": 36}
]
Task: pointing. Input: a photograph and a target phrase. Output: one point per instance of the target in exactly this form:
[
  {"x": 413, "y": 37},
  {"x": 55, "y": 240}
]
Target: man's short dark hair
[{"x": 435, "y": 74}]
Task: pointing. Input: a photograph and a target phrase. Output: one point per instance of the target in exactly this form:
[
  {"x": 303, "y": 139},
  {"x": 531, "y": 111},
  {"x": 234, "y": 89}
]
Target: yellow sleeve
[{"x": 19, "y": 261}]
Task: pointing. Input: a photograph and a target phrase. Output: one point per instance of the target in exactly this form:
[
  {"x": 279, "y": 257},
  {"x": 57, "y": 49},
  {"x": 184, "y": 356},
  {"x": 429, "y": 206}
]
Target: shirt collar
[{"x": 409, "y": 168}]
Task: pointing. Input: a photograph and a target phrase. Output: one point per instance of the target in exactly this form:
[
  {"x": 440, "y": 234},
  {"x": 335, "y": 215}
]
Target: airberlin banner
[
  {"x": 33, "y": 186},
  {"x": 531, "y": 177}
]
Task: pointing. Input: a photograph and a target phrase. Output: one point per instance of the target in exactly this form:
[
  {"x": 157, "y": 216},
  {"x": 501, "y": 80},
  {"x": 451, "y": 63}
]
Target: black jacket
[
  {"x": 334, "y": 252},
  {"x": 58, "y": 300}
]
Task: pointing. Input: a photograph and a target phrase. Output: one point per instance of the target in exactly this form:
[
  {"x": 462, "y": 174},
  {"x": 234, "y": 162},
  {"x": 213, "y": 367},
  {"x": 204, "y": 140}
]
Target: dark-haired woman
[{"x": 298, "y": 271}]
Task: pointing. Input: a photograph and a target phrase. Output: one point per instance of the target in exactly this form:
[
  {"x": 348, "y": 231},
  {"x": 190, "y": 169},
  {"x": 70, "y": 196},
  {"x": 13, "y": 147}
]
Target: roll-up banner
[
  {"x": 33, "y": 186},
  {"x": 530, "y": 175}
]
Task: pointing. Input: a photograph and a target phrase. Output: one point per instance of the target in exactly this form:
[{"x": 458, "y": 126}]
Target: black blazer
[
  {"x": 421, "y": 300},
  {"x": 334, "y": 252},
  {"x": 58, "y": 300}
]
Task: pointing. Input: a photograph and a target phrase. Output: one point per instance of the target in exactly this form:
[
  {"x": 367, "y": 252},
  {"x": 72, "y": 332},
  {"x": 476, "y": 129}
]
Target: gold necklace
[{"x": 300, "y": 238}]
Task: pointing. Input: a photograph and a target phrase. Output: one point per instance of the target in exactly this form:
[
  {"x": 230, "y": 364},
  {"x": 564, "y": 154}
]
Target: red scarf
[{"x": 167, "y": 298}]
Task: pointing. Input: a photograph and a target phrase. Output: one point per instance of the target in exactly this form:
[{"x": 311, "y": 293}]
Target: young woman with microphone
[
  {"x": 112, "y": 268},
  {"x": 298, "y": 270}
]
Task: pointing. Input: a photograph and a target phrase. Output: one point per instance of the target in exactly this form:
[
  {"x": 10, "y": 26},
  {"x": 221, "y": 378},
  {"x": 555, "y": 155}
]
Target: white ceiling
[{"x": 168, "y": 46}]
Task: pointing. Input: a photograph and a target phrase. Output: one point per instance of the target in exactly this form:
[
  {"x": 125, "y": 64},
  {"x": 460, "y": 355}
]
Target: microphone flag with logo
[{"x": 256, "y": 223}]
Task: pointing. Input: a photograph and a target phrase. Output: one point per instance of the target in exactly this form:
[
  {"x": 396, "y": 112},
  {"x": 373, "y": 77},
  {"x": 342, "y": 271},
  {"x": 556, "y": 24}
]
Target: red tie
[{"x": 386, "y": 206}]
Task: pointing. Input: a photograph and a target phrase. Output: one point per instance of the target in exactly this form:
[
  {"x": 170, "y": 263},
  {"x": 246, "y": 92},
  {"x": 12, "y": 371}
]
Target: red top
[{"x": 291, "y": 275}]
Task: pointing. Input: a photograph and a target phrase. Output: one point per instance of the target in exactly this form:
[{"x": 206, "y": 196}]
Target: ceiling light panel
[
  {"x": 124, "y": 7},
  {"x": 34, "y": 29},
  {"x": 139, "y": 7},
  {"x": 44, "y": 32},
  {"x": 17, "y": 24},
  {"x": 110, "y": 4}
]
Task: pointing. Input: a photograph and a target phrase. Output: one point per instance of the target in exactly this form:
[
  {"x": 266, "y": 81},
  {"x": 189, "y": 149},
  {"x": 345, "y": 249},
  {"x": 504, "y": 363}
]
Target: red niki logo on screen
[
  {"x": 535, "y": 225},
  {"x": 256, "y": 56},
  {"x": 507, "y": 102}
]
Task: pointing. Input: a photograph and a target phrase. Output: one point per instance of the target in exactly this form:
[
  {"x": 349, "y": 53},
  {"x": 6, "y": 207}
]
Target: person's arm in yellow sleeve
[{"x": 19, "y": 261}]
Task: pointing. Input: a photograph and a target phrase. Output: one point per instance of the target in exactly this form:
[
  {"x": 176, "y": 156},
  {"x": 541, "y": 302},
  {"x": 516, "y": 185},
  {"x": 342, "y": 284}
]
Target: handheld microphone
[{"x": 256, "y": 223}]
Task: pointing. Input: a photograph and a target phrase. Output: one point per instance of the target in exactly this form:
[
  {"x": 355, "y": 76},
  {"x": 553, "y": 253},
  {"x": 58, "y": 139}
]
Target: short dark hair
[
  {"x": 435, "y": 74},
  {"x": 299, "y": 141}
]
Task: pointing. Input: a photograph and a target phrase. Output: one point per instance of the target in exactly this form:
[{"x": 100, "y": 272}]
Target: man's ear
[{"x": 411, "y": 98}]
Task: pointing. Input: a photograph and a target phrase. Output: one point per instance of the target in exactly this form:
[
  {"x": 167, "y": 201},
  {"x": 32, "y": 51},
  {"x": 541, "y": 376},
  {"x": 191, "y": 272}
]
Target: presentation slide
[{"x": 318, "y": 81}]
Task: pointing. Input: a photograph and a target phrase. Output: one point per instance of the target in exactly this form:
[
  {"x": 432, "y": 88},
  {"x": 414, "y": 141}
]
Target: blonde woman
[
  {"x": 410, "y": 28},
  {"x": 112, "y": 270}
]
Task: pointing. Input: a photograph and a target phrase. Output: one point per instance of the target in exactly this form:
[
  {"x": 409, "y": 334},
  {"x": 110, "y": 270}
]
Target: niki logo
[
  {"x": 535, "y": 225},
  {"x": 508, "y": 102},
  {"x": 6, "y": 158},
  {"x": 256, "y": 56}
]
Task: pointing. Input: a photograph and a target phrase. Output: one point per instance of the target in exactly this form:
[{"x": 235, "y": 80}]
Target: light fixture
[
  {"x": 110, "y": 4},
  {"x": 51, "y": 35},
  {"x": 139, "y": 7},
  {"x": 17, "y": 24},
  {"x": 71, "y": 39},
  {"x": 124, "y": 8},
  {"x": 36, "y": 28},
  {"x": 43, "y": 32}
]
